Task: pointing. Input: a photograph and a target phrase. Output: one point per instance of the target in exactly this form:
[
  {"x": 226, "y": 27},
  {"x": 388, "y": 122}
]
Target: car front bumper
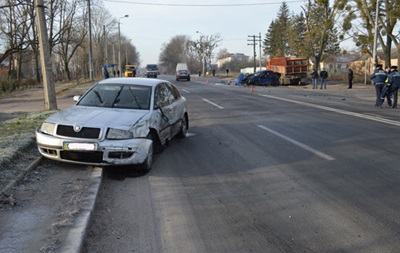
[{"x": 92, "y": 151}]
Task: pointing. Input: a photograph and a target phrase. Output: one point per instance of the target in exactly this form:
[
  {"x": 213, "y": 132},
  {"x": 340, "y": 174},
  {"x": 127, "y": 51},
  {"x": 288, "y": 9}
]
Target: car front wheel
[{"x": 146, "y": 165}]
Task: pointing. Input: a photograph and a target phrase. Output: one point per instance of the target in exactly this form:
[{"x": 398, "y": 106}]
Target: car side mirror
[{"x": 76, "y": 98}]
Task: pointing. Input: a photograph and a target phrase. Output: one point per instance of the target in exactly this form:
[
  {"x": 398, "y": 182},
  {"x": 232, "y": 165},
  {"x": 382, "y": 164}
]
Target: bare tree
[
  {"x": 204, "y": 46},
  {"x": 173, "y": 52}
]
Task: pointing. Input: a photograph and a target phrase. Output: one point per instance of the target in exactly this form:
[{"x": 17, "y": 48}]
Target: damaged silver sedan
[{"x": 119, "y": 121}]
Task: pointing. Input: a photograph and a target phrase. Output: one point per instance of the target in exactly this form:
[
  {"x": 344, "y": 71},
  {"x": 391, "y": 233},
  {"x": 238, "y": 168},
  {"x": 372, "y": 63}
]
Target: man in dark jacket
[
  {"x": 314, "y": 77},
  {"x": 324, "y": 75},
  {"x": 378, "y": 79},
  {"x": 394, "y": 82},
  {"x": 350, "y": 77}
]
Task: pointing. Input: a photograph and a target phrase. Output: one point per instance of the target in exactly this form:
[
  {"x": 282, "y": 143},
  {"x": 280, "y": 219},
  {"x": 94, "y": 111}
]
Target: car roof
[{"x": 134, "y": 80}]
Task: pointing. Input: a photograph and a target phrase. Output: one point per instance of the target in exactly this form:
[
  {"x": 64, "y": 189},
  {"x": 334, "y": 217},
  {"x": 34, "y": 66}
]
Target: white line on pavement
[
  {"x": 301, "y": 145},
  {"x": 359, "y": 115},
  {"x": 185, "y": 90},
  {"x": 214, "y": 104}
]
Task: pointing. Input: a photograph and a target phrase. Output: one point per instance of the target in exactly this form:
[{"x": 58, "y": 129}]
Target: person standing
[
  {"x": 314, "y": 78},
  {"x": 324, "y": 75},
  {"x": 350, "y": 76},
  {"x": 394, "y": 82},
  {"x": 386, "y": 90},
  {"x": 378, "y": 78}
]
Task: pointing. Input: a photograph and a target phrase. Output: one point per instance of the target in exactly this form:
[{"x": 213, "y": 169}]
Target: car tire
[
  {"x": 146, "y": 165},
  {"x": 188, "y": 79},
  {"x": 184, "y": 127}
]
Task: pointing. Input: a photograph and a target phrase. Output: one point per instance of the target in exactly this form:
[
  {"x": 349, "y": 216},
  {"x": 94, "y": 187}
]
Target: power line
[{"x": 202, "y": 5}]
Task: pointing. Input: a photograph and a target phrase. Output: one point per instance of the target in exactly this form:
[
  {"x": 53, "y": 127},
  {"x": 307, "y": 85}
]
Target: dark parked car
[
  {"x": 183, "y": 74},
  {"x": 119, "y": 121},
  {"x": 262, "y": 78}
]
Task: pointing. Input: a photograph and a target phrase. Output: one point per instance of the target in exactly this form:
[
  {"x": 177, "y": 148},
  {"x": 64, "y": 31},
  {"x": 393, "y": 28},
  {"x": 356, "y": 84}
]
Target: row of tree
[
  {"x": 317, "y": 31},
  {"x": 67, "y": 25}
]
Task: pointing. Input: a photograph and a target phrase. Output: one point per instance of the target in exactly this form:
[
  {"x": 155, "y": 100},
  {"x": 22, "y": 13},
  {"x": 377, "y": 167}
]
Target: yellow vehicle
[{"x": 130, "y": 71}]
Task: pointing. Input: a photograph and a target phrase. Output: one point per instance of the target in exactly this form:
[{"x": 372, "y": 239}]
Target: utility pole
[
  {"x": 254, "y": 48},
  {"x": 374, "y": 58},
  {"x": 90, "y": 43},
  {"x": 259, "y": 43},
  {"x": 50, "y": 101}
]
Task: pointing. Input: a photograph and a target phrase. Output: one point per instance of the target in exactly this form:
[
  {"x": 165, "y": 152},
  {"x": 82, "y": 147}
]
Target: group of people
[
  {"x": 314, "y": 76},
  {"x": 387, "y": 83}
]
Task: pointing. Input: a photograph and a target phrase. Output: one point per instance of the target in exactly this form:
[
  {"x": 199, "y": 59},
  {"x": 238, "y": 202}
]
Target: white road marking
[
  {"x": 214, "y": 104},
  {"x": 359, "y": 115},
  {"x": 185, "y": 90},
  {"x": 301, "y": 145}
]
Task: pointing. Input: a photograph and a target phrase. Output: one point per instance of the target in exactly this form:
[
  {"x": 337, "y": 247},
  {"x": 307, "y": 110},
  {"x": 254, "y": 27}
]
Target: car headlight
[
  {"x": 47, "y": 128},
  {"x": 118, "y": 134}
]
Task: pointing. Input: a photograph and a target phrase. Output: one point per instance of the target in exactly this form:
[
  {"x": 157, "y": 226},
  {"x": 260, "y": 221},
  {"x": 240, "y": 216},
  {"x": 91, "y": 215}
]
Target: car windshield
[
  {"x": 152, "y": 67},
  {"x": 124, "y": 96}
]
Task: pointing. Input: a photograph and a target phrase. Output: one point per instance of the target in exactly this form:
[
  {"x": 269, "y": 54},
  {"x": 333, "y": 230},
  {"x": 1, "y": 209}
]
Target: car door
[
  {"x": 164, "y": 112},
  {"x": 176, "y": 105}
]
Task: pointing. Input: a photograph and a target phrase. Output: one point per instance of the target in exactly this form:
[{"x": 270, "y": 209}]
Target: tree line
[
  {"x": 67, "y": 23},
  {"x": 317, "y": 31}
]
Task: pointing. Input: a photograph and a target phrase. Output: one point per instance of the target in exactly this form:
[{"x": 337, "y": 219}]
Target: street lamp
[
  {"x": 202, "y": 52},
  {"x": 119, "y": 43}
]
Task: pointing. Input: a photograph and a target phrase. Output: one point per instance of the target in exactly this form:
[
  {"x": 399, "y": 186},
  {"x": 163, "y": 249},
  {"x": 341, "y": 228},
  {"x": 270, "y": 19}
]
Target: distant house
[
  {"x": 230, "y": 58},
  {"x": 361, "y": 64}
]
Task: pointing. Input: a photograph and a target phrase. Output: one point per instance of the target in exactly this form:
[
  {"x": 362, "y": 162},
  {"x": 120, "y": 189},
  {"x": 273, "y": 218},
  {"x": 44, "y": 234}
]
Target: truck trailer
[{"x": 290, "y": 70}]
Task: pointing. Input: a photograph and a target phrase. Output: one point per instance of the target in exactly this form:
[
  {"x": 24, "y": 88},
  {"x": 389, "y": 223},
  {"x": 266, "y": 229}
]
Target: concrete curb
[
  {"x": 31, "y": 166},
  {"x": 77, "y": 233}
]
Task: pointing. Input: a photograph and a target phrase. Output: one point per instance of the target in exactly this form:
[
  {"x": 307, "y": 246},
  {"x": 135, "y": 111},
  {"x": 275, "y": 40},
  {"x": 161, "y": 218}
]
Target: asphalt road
[{"x": 282, "y": 169}]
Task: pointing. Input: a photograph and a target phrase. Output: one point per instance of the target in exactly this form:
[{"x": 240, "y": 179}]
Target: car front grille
[
  {"x": 85, "y": 132},
  {"x": 87, "y": 157}
]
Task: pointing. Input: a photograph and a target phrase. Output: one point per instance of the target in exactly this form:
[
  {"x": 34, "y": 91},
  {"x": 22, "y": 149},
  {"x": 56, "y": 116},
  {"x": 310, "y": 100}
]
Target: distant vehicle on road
[
  {"x": 262, "y": 78},
  {"x": 183, "y": 74},
  {"x": 119, "y": 121},
  {"x": 130, "y": 71},
  {"x": 151, "y": 70}
]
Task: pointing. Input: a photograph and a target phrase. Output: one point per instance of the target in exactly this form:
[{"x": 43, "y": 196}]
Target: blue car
[{"x": 262, "y": 78}]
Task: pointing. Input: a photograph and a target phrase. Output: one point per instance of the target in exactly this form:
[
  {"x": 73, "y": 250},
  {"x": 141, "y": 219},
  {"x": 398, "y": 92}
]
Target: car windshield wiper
[
  {"x": 117, "y": 96},
  {"x": 98, "y": 96}
]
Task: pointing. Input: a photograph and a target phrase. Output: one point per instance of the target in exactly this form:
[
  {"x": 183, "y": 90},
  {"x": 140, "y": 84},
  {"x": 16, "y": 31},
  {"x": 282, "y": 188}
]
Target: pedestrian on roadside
[
  {"x": 213, "y": 71},
  {"x": 118, "y": 72},
  {"x": 386, "y": 90},
  {"x": 114, "y": 73},
  {"x": 324, "y": 75},
  {"x": 199, "y": 73},
  {"x": 105, "y": 72},
  {"x": 378, "y": 79},
  {"x": 394, "y": 81},
  {"x": 314, "y": 78},
  {"x": 350, "y": 77}
]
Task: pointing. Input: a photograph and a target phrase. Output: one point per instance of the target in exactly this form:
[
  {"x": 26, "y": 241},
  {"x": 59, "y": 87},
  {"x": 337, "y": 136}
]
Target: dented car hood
[{"x": 98, "y": 117}]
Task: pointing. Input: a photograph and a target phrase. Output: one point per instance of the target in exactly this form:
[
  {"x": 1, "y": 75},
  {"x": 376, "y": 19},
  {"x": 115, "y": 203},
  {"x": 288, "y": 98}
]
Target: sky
[{"x": 152, "y": 23}]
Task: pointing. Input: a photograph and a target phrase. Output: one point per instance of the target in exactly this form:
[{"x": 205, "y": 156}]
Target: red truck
[{"x": 290, "y": 70}]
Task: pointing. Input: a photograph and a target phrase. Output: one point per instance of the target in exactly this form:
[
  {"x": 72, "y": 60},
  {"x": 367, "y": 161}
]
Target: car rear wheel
[{"x": 184, "y": 127}]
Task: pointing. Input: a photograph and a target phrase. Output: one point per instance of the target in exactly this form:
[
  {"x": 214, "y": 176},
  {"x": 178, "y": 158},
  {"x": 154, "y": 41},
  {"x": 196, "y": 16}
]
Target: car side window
[
  {"x": 162, "y": 95},
  {"x": 173, "y": 93}
]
